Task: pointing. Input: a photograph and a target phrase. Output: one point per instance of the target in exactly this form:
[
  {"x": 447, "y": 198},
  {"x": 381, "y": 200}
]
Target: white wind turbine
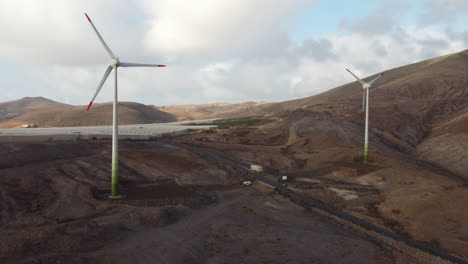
[
  {"x": 114, "y": 64},
  {"x": 365, "y": 108}
]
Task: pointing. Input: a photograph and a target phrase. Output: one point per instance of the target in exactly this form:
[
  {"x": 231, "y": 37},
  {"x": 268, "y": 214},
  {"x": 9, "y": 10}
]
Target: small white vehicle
[{"x": 247, "y": 183}]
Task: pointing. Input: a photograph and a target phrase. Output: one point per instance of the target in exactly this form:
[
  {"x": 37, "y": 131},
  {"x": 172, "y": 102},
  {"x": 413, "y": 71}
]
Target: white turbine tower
[
  {"x": 114, "y": 64},
  {"x": 365, "y": 108}
]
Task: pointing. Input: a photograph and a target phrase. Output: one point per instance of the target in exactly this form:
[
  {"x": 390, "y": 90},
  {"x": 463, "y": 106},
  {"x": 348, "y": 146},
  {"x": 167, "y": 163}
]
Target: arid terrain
[
  {"x": 215, "y": 110},
  {"x": 46, "y": 113},
  {"x": 180, "y": 208},
  {"x": 183, "y": 207},
  {"x": 43, "y": 112},
  {"x": 417, "y": 181}
]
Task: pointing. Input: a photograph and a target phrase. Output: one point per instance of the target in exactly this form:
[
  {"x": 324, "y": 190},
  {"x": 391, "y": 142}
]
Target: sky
[{"x": 216, "y": 50}]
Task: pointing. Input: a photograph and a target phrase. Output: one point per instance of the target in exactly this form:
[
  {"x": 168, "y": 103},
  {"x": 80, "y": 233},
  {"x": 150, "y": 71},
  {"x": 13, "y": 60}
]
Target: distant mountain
[
  {"x": 46, "y": 113},
  {"x": 203, "y": 111},
  {"x": 12, "y": 109},
  {"x": 409, "y": 102},
  {"x": 421, "y": 107}
]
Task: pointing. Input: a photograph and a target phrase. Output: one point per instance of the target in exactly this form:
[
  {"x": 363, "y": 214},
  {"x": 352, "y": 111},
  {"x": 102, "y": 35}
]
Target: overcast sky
[{"x": 216, "y": 50}]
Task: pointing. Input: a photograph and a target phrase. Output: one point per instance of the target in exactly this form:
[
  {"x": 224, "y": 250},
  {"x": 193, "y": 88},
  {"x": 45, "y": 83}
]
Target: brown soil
[
  {"x": 179, "y": 208},
  {"x": 161, "y": 190},
  {"x": 417, "y": 191}
]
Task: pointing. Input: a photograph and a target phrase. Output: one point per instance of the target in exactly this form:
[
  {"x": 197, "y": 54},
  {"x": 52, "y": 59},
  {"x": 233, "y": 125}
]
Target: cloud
[
  {"x": 221, "y": 28},
  {"x": 378, "y": 21},
  {"x": 317, "y": 49},
  {"x": 366, "y": 55},
  {"x": 215, "y": 50},
  {"x": 445, "y": 11},
  {"x": 57, "y": 32}
]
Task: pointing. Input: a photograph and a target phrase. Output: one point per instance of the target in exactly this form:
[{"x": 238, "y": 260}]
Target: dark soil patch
[
  {"x": 154, "y": 191},
  {"x": 361, "y": 168}
]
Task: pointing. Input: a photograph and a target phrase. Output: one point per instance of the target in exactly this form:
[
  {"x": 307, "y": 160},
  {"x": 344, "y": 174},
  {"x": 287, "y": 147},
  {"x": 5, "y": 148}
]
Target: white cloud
[
  {"x": 221, "y": 28},
  {"x": 215, "y": 50},
  {"x": 378, "y": 21},
  {"x": 57, "y": 32},
  {"x": 445, "y": 11},
  {"x": 212, "y": 77},
  {"x": 367, "y": 55}
]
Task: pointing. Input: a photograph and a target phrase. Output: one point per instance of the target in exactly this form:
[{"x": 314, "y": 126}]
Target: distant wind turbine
[
  {"x": 365, "y": 108},
  {"x": 114, "y": 64}
]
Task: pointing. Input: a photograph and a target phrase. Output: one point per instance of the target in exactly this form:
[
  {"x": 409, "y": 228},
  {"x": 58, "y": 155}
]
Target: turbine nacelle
[
  {"x": 365, "y": 85},
  {"x": 114, "y": 63}
]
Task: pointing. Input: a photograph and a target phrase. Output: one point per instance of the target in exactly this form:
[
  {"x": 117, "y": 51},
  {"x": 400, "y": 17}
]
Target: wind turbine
[
  {"x": 114, "y": 64},
  {"x": 365, "y": 108}
]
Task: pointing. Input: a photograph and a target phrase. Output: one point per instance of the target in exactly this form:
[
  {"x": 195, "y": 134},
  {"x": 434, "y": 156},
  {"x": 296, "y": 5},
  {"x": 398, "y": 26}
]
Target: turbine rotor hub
[{"x": 114, "y": 62}]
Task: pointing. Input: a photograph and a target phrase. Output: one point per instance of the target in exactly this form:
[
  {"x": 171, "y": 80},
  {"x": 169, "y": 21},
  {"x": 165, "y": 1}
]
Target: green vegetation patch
[{"x": 230, "y": 122}]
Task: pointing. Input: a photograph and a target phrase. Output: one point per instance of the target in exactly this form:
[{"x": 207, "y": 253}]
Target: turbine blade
[
  {"x": 129, "y": 64},
  {"x": 104, "y": 78},
  {"x": 359, "y": 80},
  {"x": 375, "y": 79},
  {"x": 100, "y": 38}
]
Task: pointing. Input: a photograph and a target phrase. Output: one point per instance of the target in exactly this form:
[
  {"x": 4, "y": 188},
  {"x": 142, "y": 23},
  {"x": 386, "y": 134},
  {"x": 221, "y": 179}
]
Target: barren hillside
[
  {"x": 100, "y": 114},
  {"x": 420, "y": 107},
  {"x": 12, "y": 109},
  {"x": 417, "y": 181},
  {"x": 203, "y": 111}
]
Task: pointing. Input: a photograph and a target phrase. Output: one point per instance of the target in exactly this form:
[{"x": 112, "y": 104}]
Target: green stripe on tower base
[
  {"x": 366, "y": 144},
  {"x": 115, "y": 178}
]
